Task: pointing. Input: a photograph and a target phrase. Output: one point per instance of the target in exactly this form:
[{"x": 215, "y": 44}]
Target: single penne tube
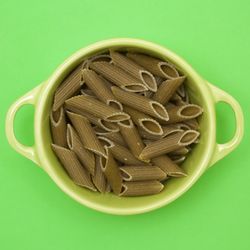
[
  {"x": 180, "y": 151},
  {"x": 183, "y": 113},
  {"x": 111, "y": 171},
  {"x": 85, "y": 156},
  {"x": 86, "y": 133},
  {"x": 113, "y": 136},
  {"x": 118, "y": 76},
  {"x": 178, "y": 159},
  {"x": 131, "y": 136},
  {"x": 192, "y": 124},
  {"x": 155, "y": 65},
  {"x": 96, "y": 108},
  {"x": 167, "y": 89},
  {"x": 144, "y": 122},
  {"x": 159, "y": 80},
  {"x": 87, "y": 92},
  {"x": 73, "y": 167},
  {"x": 142, "y": 173},
  {"x": 168, "y": 166},
  {"x": 70, "y": 86},
  {"x": 169, "y": 144},
  {"x": 97, "y": 58},
  {"x": 120, "y": 153},
  {"x": 99, "y": 88},
  {"x": 181, "y": 91},
  {"x": 141, "y": 103},
  {"x": 140, "y": 188},
  {"x": 58, "y": 127},
  {"x": 175, "y": 98},
  {"x": 181, "y": 126},
  {"x": 99, "y": 178},
  {"x": 134, "y": 69}
]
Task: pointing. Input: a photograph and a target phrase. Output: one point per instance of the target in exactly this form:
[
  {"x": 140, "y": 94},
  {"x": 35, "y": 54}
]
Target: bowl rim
[{"x": 72, "y": 61}]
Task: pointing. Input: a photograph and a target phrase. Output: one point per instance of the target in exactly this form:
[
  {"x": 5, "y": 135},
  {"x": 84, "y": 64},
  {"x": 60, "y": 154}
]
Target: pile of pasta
[{"x": 122, "y": 122}]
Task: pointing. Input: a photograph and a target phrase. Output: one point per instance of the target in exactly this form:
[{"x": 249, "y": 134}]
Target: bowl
[{"x": 204, "y": 155}]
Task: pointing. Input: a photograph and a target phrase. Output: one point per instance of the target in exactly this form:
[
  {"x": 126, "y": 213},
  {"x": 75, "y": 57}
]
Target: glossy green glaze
[{"x": 206, "y": 153}]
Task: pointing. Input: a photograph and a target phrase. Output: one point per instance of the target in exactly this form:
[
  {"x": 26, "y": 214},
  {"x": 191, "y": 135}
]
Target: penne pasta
[
  {"x": 113, "y": 136},
  {"x": 87, "y": 92},
  {"x": 159, "y": 80},
  {"x": 58, "y": 127},
  {"x": 178, "y": 159},
  {"x": 142, "y": 173},
  {"x": 141, "y": 103},
  {"x": 167, "y": 89},
  {"x": 86, "y": 133},
  {"x": 168, "y": 166},
  {"x": 144, "y": 122},
  {"x": 139, "y": 188},
  {"x": 111, "y": 171},
  {"x": 73, "y": 167},
  {"x": 154, "y": 65},
  {"x": 180, "y": 151},
  {"x": 96, "y": 108},
  {"x": 98, "y": 58},
  {"x": 192, "y": 124},
  {"x": 131, "y": 136},
  {"x": 70, "y": 86},
  {"x": 134, "y": 69},
  {"x": 118, "y": 76},
  {"x": 99, "y": 178},
  {"x": 169, "y": 144},
  {"x": 85, "y": 156}
]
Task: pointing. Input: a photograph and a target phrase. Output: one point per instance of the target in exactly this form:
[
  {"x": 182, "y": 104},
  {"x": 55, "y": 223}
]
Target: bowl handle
[
  {"x": 29, "y": 98},
  {"x": 221, "y": 150}
]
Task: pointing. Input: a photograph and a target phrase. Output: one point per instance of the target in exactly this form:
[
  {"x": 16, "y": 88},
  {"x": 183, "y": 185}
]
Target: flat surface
[{"x": 35, "y": 37}]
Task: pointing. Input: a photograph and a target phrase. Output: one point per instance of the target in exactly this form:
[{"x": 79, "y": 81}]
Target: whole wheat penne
[
  {"x": 73, "y": 167},
  {"x": 168, "y": 166},
  {"x": 192, "y": 124},
  {"x": 99, "y": 178},
  {"x": 180, "y": 151},
  {"x": 144, "y": 122},
  {"x": 118, "y": 76},
  {"x": 178, "y": 159},
  {"x": 71, "y": 85},
  {"x": 131, "y": 136},
  {"x": 86, "y": 133},
  {"x": 87, "y": 92},
  {"x": 85, "y": 156},
  {"x": 168, "y": 144},
  {"x": 175, "y": 98},
  {"x": 142, "y": 173},
  {"x": 134, "y": 69},
  {"x": 154, "y": 65},
  {"x": 58, "y": 127},
  {"x": 183, "y": 113},
  {"x": 111, "y": 171},
  {"x": 98, "y": 86},
  {"x": 139, "y": 188},
  {"x": 147, "y": 94},
  {"x": 113, "y": 136},
  {"x": 141, "y": 103},
  {"x": 167, "y": 89},
  {"x": 159, "y": 80},
  {"x": 96, "y": 108},
  {"x": 181, "y": 126},
  {"x": 98, "y": 58}
]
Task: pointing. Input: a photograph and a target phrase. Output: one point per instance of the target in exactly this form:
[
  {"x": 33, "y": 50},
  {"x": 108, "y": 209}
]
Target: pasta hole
[
  {"x": 127, "y": 123},
  {"x": 189, "y": 136},
  {"x": 135, "y": 88},
  {"x": 125, "y": 175},
  {"x": 152, "y": 126},
  {"x": 115, "y": 104},
  {"x": 160, "y": 110},
  {"x": 149, "y": 80},
  {"x": 169, "y": 70},
  {"x": 108, "y": 125},
  {"x": 118, "y": 117},
  {"x": 190, "y": 111}
]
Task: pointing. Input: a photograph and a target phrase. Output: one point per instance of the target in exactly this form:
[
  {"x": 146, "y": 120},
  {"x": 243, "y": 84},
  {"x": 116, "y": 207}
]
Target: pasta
[
  {"x": 167, "y": 89},
  {"x": 142, "y": 173},
  {"x": 73, "y": 167},
  {"x": 154, "y": 65},
  {"x": 97, "y": 58},
  {"x": 178, "y": 159},
  {"x": 112, "y": 136},
  {"x": 58, "y": 127},
  {"x": 96, "y": 108},
  {"x": 168, "y": 144},
  {"x": 86, "y": 134},
  {"x": 130, "y": 134},
  {"x": 134, "y": 69},
  {"x": 141, "y": 103},
  {"x": 85, "y": 156},
  {"x": 71, "y": 85},
  {"x": 180, "y": 151},
  {"x": 118, "y": 76},
  {"x": 192, "y": 124},
  {"x": 139, "y": 188}
]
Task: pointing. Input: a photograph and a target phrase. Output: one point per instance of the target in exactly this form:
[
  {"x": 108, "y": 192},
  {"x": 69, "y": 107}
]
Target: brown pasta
[
  {"x": 73, "y": 167},
  {"x": 167, "y": 89},
  {"x": 58, "y": 127},
  {"x": 139, "y": 188},
  {"x": 134, "y": 69},
  {"x": 70, "y": 86},
  {"x": 178, "y": 159},
  {"x": 113, "y": 136},
  {"x": 154, "y": 65},
  {"x": 192, "y": 124},
  {"x": 98, "y": 58},
  {"x": 85, "y": 156},
  {"x": 168, "y": 144},
  {"x": 142, "y": 173},
  {"x": 180, "y": 151},
  {"x": 96, "y": 108},
  {"x": 99, "y": 178},
  {"x": 141, "y": 103},
  {"x": 118, "y": 76},
  {"x": 86, "y": 134}
]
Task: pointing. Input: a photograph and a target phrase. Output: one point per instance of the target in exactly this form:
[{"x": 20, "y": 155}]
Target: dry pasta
[{"x": 112, "y": 136}]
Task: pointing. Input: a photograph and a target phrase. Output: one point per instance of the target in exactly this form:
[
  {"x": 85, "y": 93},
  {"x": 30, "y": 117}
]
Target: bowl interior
[{"x": 194, "y": 165}]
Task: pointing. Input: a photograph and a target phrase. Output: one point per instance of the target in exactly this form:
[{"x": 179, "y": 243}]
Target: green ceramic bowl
[{"x": 205, "y": 154}]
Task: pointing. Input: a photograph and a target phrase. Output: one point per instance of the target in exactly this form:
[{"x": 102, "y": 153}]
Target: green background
[{"x": 36, "y": 36}]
